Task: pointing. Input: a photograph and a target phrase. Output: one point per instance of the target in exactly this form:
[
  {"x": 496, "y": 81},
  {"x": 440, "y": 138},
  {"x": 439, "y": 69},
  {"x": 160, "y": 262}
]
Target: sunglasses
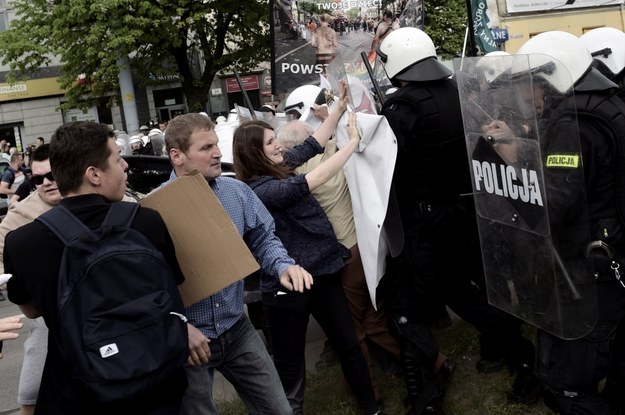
[{"x": 38, "y": 178}]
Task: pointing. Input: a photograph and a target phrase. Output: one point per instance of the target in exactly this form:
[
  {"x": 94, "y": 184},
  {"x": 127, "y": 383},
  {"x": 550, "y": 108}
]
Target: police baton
[
  {"x": 565, "y": 273},
  {"x": 378, "y": 91},
  {"x": 246, "y": 98}
]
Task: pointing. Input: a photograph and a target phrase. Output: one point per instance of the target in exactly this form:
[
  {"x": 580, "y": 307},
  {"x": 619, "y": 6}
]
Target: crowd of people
[{"x": 550, "y": 118}]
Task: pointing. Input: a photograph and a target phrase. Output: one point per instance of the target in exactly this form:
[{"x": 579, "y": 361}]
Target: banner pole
[
  {"x": 246, "y": 98},
  {"x": 471, "y": 37}
]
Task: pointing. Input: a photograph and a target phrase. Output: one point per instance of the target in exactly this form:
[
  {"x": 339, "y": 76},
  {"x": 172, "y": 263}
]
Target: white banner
[{"x": 520, "y": 6}]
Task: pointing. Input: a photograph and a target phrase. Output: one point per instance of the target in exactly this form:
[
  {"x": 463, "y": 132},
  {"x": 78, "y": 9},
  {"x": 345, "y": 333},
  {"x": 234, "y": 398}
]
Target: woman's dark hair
[
  {"x": 76, "y": 146},
  {"x": 249, "y": 156}
]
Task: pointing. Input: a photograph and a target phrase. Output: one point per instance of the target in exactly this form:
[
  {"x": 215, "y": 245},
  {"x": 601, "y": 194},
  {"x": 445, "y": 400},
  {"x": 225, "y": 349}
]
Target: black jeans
[{"x": 287, "y": 320}]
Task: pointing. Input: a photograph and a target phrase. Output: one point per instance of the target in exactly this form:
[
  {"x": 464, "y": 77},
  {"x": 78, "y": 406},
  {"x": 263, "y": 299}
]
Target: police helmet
[
  {"x": 300, "y": 101},
  {"x": 607, "y": 47},
  {"x": 135, "y": 139},
  {"x": 492, "y": 66},
  {"x": 559, "y": 58},
  {"x": 408, "y": 54}
]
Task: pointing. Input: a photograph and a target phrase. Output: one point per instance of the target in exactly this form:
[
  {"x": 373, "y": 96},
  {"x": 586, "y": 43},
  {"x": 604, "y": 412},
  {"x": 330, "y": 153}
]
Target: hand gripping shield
[{"x": 523, "y": 147}]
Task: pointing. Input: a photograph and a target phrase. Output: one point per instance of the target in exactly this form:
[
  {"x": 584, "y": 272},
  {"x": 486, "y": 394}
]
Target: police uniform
[
  {"x": 572, "y": 369},
  {"x": 441, "y": 258},
  {"x": 583, "y": 186}
]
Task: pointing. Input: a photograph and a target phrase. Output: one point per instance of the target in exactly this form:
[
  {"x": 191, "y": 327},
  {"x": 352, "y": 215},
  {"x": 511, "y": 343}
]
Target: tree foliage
[
  {"x": 194, "y": 39},
  {"x": 445, "y": 23}
]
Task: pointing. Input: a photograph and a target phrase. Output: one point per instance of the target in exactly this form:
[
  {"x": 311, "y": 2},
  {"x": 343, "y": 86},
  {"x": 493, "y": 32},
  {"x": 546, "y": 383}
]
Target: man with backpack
[{"x": 105, "y": 284}]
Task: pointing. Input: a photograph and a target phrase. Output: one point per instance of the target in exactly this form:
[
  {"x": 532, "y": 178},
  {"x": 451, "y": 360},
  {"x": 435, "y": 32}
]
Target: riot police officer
[
  {"x": 573, "y": 99},
  {"x": 441, "y": 261},
  {"x": 607, "y": 47}
]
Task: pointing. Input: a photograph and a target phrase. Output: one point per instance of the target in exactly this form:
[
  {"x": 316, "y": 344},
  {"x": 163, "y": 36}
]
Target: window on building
[
  {"x": 588, "y": 29},
  {"x": 3, "y": 20}
]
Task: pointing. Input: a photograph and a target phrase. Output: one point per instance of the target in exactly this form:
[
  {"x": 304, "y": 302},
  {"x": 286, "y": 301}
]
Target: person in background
[
  {"x": 324, "y": 41},
  {"x": 12, "y": 177},
  {"x": 384, "y": 28}
]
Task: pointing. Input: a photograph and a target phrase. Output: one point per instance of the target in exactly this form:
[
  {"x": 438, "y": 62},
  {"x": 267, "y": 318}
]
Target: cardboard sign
[{"x": 210, "y": 251}]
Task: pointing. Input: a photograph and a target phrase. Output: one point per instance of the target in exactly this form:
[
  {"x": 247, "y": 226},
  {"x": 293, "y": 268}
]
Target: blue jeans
[{"x": 240, "y": 355}]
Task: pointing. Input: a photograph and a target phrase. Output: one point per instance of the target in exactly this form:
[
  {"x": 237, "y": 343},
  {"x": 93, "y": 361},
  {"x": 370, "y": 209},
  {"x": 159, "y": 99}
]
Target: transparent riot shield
[
  {"x": 360, "y": 96},
  {"x": 523, "y": 146}
]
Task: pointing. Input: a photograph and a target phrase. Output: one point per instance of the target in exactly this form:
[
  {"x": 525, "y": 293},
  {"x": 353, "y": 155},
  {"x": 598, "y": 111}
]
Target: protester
[
  {"x": 334, "y": 198},
  {"x": 44, "y": 198},
  {"x": 8, "y": 325},
  {"x": 307, "y": 234},
  {"x": 218, "y": 327},
  {"x": 90, "y": 174}
]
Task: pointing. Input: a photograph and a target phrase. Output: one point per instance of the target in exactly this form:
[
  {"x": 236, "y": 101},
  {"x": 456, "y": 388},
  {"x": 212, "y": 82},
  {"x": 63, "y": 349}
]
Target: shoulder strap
[
  {"x": 120, "y": 214},
  {"x": 64, "y": 224}
]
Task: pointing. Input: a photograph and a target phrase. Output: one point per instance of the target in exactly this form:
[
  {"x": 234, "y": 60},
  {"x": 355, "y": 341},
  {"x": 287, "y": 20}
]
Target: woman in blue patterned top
[{"x": 307, "y": 234}]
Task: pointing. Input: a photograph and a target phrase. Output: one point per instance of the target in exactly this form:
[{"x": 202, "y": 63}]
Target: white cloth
[{"x": 369, "y": 173}]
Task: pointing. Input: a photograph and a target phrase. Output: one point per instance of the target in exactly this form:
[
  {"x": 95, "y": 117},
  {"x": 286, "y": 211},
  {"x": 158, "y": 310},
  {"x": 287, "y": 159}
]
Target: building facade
[{"x": 31, "y": 108}]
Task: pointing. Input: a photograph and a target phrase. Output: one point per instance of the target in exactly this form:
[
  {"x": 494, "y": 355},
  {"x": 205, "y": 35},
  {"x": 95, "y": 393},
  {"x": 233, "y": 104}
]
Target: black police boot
[
  {"x": 526, "y": 388},
  {"x": 417, "y": 407},
  {"x": 446, "y": 372},
  {"x": 490, "y": 366}
]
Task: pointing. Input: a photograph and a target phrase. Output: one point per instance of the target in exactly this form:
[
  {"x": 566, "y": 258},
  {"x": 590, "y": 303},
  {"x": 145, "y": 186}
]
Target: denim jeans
[{"x": 240, "y": 355}]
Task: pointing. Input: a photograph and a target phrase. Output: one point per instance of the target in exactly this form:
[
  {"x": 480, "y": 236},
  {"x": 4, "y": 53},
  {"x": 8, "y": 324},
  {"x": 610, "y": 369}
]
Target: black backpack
[{"x": 121, "y": 323}]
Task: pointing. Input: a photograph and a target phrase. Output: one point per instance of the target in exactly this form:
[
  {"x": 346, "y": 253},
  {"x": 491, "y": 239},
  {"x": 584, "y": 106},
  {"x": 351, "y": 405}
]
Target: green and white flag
[{"x": 481, "y": 27}]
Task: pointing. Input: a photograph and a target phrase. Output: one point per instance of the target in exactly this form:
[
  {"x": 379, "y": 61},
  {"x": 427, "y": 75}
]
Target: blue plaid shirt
[{"x": 216, "y": 314}]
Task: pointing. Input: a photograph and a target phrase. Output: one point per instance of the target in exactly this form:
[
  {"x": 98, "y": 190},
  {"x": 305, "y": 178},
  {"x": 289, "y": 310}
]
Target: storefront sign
[
  {"x": 249, "y": 82},
  {"x": 32, "y": 88}
]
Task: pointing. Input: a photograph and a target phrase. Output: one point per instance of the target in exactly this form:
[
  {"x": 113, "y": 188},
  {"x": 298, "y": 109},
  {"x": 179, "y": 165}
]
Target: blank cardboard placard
[{"x": 210, "y": 251}]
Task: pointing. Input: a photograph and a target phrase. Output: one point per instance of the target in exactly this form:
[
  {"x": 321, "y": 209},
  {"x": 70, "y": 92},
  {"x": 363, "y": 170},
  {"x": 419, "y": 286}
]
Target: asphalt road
[
  {"x": 13, "y": 352},
  {"x": 11, "y": 363}
]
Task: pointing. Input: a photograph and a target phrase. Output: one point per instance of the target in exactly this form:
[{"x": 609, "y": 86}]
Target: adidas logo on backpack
[
  {"x": 108, "y": 350},
  {"x": 122, "y": 326}
]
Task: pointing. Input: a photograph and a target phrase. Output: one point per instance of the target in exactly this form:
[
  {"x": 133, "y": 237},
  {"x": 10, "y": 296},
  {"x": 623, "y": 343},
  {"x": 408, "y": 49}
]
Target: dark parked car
[{"x": 146, "y": 173}]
